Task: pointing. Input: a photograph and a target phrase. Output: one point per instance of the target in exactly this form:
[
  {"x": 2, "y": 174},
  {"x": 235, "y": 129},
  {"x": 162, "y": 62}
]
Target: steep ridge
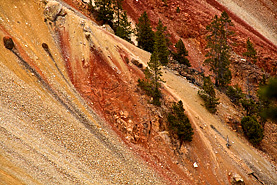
[
  {"x": 66, "y": 78},
  {"x": 48, "y": 133}
]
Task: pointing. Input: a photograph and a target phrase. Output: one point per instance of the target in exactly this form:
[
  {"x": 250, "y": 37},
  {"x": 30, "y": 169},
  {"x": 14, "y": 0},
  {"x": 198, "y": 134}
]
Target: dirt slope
[
  {"x": 240, "y": 158},
  {"x": 48, "y": 133},
  {"x": 71, "y": 112}
]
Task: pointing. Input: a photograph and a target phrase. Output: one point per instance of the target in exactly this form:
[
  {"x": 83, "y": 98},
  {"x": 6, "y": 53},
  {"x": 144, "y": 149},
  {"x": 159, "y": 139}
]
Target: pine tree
[
  {"x": 105, "y": 11},
  {"x": 251, "y": 53},
  {"x": 252, "y": 129},
  {"x": 118, "y": 9},
  {"x": 218, "y": 54},
  {"x": 124, "y": 29},
  {"x": 208, "y": 95},
  {"x": 152, "y": 82},
  {"x": 181, "y": 54},
  {"x": 179, "y": 123},
  {"x": 145, "y": 34},
  {"x": 161, "y": 44}
]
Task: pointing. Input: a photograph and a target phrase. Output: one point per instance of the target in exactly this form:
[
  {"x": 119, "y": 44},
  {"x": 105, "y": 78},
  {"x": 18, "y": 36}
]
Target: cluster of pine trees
[
  {"x": 217, "y": 58},
  {"x": 110, "y": 12}
]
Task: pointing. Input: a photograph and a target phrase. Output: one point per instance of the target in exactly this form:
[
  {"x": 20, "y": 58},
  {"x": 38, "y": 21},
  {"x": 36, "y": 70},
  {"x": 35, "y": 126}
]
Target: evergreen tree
[
  {"x": 179, "y": 123},
  {"x": 218, "y": 54},
  {"x": 152, "y": 82},
  {"x": 124, "y": 29},
  {"x": 104, "y": 11},
  {"x": 118, "y": 9},
  {"x": 208, "y": 95},
  {"x": 268, "y": 94},
  {"x": 181, "y": 54},
  {"x": 252, "y": 129},
  {"x": 249, "y": 106},
  {"x": 235, "y": 94},
  {"x": 160, "y": 43},
  {"x": 145, "y": 34},
  {"x": 251, "y": 53}
]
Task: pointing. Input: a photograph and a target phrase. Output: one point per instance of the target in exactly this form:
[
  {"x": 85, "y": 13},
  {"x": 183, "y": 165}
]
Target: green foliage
[
  {"x": 208, "y": 95},
  {"x": 219, "y": 50},
  {"x": 181, "y": 54},
  {"x": 179, "y": 123},
  {"x": 145, "y": 34},
  {"x": 249, "y": 106},
  {"x": 178, "y": 9},
  {"x": 268, "y": 97},
  {"x": 251, "y": 53},
  {"x": 117, "y": 8},
  {"x": 152, "y": 82},
  {"x": 160, "y": 44},
  {"x": 124, "y": 29},
  {"x": 209, "y": 102},
  {"x": 104, "y": 11},
  {"x": 235, "y": 94},
  {"x": 252, "y": 129},
  {"x": 90, "y": 6}
]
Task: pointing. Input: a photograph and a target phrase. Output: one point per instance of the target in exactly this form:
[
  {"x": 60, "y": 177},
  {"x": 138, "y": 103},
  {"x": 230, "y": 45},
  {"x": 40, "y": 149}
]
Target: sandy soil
[
  {"x": 48, "y": 134},
  {"x": 241, "y": 155},
  {"x": 56, "y": 105}
]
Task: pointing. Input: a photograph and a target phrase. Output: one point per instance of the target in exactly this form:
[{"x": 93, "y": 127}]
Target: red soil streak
[
  {"x": 110, "y": 93},
  {"x": 63, "y": 36}
]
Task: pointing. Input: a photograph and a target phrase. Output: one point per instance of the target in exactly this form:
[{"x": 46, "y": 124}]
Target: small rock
[
  {"x": 136, "y": 63},
  {"x": 8, "y": 42},
  {"x": 237, "y": 180}
]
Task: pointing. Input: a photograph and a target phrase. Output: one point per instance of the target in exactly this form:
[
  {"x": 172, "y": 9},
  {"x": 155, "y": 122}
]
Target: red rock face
[{"x": 190, "y": 25}]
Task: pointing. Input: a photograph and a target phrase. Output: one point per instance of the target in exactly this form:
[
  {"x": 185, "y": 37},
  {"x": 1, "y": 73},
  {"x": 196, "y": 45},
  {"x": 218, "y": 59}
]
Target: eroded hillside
[{"x": 71, "y": 112}]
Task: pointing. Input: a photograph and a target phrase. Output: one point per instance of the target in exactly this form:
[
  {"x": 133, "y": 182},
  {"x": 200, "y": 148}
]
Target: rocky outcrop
[{"x": 53, "y": 9}]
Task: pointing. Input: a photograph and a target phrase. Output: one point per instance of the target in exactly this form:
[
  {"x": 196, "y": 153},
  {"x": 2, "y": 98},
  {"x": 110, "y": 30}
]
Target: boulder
[
  {"x": 237, "y": 180},
  {"x": 52, "y": 10},
  {"x": 137, "y": 63},
  {"x": 8, "y": 42}
]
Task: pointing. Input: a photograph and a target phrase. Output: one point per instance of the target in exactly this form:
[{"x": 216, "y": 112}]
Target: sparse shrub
[
  {"x": 235, "y": 94},
  {"x": 179, "y": 124},
  {"x": 268, "y": 99},
  {"x": 178, "y": 9},
  {"x": 208, "y": 95},
  {"x": 249, "y": 106},
  {"x": 252, "y": 129},
  {"x": 209, "y": 102}
]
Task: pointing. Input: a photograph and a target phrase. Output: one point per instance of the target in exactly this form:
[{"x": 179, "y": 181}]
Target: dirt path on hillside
[{"x": 241, "y": 155}]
